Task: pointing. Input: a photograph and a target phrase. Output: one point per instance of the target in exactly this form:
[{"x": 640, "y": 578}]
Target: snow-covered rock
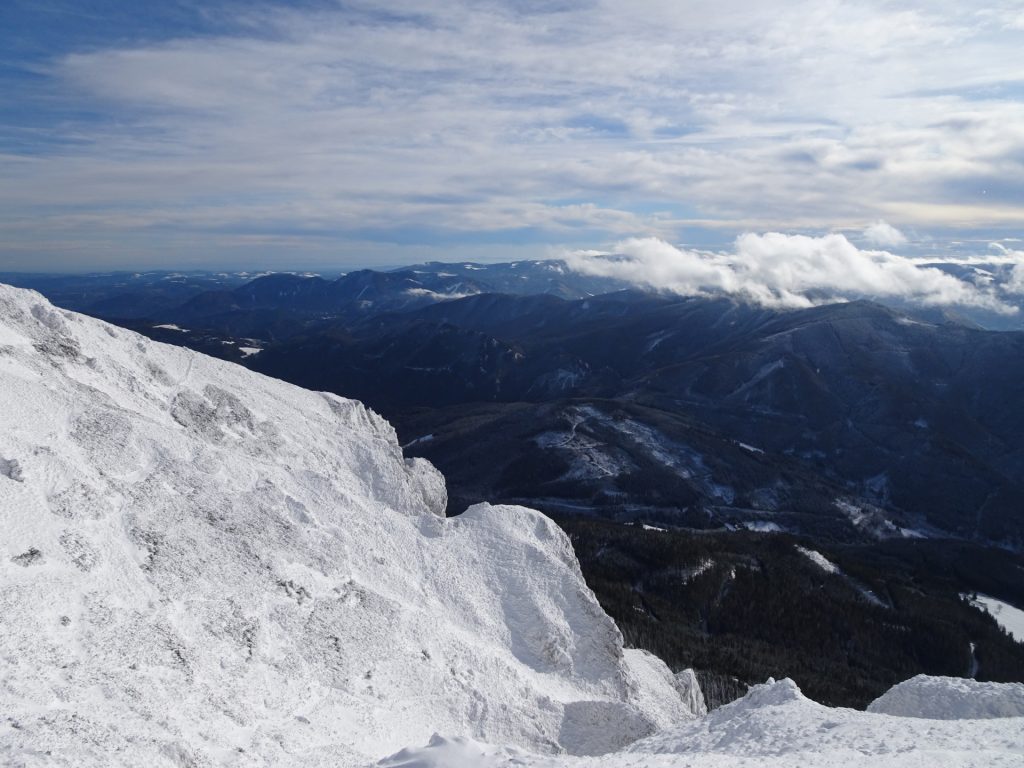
[
  {"x": 951, "y": 698},
  {"x": 773, "y": 726},
  {"x": 689, "y": 689},
  {"x": 204, "y": 566}
]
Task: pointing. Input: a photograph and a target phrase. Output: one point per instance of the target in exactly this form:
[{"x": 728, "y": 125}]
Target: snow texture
[
  {"x": 818, "y": 559},
  {"x": 204, "y": 566},
  {"x": 1008, "y": 617},
  {"x": 773, "y": 726},
  {"x": 951, "y": 698}
]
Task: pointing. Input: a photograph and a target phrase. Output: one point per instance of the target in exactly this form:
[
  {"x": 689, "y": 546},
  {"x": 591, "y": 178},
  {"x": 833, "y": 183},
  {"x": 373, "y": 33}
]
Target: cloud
[
  {"x": 885, "y": 234},
  {"x": 785, "y": 271},
  {"x": 1014, "y": 284},
  {"x": 578, "y": 122}
]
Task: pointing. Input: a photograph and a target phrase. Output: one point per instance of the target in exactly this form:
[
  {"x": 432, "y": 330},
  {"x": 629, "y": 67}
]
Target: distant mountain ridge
[
  {"x": 859, "y": 393},
  {"x": 888, "y": 440},
  {"x": 892, "y": 409}
]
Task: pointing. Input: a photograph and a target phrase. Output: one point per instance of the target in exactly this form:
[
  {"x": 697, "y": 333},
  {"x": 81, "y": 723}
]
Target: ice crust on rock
[
  {"x": 235, "y": 571},
  {"x": 951, "y": 698}
]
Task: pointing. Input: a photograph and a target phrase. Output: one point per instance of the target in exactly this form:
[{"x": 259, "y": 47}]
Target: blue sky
[{"x": 326, "y": 134}]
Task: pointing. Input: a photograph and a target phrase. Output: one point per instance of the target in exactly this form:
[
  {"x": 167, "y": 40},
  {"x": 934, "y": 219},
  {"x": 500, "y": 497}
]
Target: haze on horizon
[{"x": 316, "y": 134}]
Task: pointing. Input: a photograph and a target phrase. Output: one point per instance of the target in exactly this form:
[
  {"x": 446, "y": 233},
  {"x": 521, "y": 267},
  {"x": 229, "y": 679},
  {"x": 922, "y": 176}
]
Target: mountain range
[
  {"x": 663, "y": 431},
  {"x": 205, "y": 566}
]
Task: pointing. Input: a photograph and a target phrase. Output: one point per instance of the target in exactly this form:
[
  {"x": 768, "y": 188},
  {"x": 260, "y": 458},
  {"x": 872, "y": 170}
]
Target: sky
[{"x": 323, "y": 134}]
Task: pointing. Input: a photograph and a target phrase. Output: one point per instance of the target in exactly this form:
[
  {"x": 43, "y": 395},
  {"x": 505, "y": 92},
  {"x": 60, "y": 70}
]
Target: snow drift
[
  {"x": 773, "y": 726},
  {"x": 951, "y": 698},
  {"x": 204, "y": 566}
]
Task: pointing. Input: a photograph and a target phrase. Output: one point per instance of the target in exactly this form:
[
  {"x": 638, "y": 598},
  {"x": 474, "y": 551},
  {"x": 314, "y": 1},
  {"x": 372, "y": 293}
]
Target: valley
[{"x": 704, "y": 429}]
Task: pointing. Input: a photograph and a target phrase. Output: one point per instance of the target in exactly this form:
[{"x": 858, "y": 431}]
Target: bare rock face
[{"x": 205, "y": 566}]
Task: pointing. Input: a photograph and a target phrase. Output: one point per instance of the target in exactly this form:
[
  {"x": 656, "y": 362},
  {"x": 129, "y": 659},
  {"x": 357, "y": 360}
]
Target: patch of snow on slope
[
  {"x": 655, "y": 339},
  {"x": 773, "y": 726},
  {"x": 689, "y": 574},
  {"x": 205, "y": 566},
  {"x": 819, "y": 560},
  {"x": 687, "y": 462},
  {"x": 419, "y": 441},
  {"x": 828, "y": 566},
  {"x": 951, "y": 698},
  {"x": 763, "y": 526},
  {"x": 447, "y": 296},
  {"x": 1009, "y": 618}
]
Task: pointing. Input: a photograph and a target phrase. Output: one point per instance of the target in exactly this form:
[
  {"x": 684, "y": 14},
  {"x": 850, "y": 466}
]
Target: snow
[
  {"x": 750, "y": 448},
  {"x": 202, "y": 566},
  {"x": 872, "y": 519},
  {"x": 249, "y": 351},
  {"x": 819, "y": 560},
  {"x": 1009, "y": 618},
  {"x": 951, "y": 698},
  {"x": 419, "y": 441},
  {"x": 773, "y": 726},
  {"x": 448, "y": 295},
  {"x": 205, "y": 566},
  {"x": 828, "y": 566},
  {"x": 687, "y": 575},
  {"x": 762, "y": 373},
  {"x": 655, "y": 339},
  {"x": 763, "y": 526},
  {"x": 647, "y": 527},
  {"x": 171, "y": 327}
]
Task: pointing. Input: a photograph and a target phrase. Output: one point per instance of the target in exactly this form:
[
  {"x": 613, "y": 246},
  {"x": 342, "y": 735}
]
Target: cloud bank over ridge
[{"x": 790, "y": 271}]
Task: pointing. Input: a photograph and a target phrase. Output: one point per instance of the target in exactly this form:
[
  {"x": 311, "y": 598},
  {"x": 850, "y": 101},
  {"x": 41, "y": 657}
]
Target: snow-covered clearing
[
  {"x": 1009, "y": 617},
  {"x": 819, "y": 560}
]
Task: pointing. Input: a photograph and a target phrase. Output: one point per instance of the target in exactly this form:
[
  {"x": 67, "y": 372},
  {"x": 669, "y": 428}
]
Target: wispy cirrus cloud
[{"x": 461, "y": 126}]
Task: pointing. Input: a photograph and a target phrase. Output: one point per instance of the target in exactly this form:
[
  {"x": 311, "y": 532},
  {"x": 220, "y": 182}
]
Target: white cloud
[
  {"x": 884, "y": 234},
  {"x": 778, "y": 270},
  {"x": 1014, "y": 285},
  {"x": 585, "y": 123}
]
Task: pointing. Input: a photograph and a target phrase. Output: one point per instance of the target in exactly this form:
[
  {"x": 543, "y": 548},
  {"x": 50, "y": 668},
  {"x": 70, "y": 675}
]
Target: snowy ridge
[
  {"x": 773, "y": 726},
  {"x": 204, "y": 566}
]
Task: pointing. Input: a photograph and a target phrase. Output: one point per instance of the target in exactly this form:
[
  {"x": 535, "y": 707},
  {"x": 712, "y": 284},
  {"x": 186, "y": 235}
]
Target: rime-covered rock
[{"x": 204, "y": 566}]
